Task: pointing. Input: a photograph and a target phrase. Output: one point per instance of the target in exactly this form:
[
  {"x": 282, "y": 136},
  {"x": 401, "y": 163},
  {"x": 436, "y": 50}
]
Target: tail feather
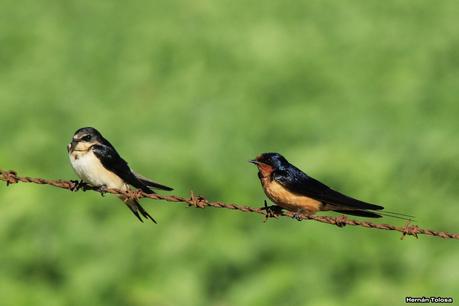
[
  {"x": 360, "y": 213},
  {"x": 396, "y": 215},
  {"x": 135, "y": 207},
  {"x": 136, "y": 214},
  {"x": 371, "y": 214},
  {"x": 366, "y": 212}
]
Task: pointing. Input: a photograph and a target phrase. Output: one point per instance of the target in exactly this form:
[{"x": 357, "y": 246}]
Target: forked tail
[
  {"x": 136, "y": 208},
  {"x": 372, "y": 214}
]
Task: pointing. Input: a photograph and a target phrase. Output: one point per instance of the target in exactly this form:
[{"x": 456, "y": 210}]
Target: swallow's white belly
[{"x": 89, "y": 168}]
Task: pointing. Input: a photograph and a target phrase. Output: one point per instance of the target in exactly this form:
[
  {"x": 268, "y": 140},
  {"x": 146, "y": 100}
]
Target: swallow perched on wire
[
  {"x": 292, "y": 189},
  {"x": 97, "y": 163}
]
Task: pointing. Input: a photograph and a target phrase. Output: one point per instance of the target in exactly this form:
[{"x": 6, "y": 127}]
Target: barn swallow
[
  {"x": 97, "y": 163},
  {"x": 294, "y": 190}
]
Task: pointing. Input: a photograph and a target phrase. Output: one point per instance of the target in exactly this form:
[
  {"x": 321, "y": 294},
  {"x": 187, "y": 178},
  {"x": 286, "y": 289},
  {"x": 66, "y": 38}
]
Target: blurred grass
[{"x": 362, "y": 95}]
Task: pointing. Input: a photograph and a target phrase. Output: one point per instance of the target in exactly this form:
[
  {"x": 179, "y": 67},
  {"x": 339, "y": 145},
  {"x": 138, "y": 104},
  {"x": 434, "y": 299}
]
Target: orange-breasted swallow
[
  {"x": 97, "y": 163},
  {"x": 292, "y": 189}
]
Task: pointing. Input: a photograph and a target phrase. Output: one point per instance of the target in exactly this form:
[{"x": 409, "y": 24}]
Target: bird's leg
[
  {"x": 78, "y": 185},
  {"x": 85, "y": 186},
  {"x": 300, "y": 214},
  {"x": 75, "y": 186},
  {"x": 102, "y": 189},
  {"x": 272, "y": 211}
]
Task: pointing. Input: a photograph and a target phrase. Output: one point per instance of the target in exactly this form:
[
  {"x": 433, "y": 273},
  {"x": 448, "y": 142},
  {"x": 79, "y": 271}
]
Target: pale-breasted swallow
[{"x": 97, "y": 163}]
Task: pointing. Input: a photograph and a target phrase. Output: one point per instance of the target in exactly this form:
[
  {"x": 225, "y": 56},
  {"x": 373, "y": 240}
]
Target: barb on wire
[{"x": 11, "y": 177}]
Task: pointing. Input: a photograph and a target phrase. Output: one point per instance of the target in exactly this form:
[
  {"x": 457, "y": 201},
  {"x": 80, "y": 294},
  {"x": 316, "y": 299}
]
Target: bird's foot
[
  {"x": 272, "y": 211},
  {"x": 102, "y": 189},
  {"x": 299, "y": 215},
  {"x": 77, "y": 185},
  {"x": 341, "y": 221}
]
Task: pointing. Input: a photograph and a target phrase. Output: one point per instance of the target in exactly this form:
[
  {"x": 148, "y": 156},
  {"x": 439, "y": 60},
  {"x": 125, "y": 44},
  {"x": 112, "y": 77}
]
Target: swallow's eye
[{"x": 86, "y": 138}]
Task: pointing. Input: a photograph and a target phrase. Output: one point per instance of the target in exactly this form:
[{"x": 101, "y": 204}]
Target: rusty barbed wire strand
[{"x": 11, "y": 177}]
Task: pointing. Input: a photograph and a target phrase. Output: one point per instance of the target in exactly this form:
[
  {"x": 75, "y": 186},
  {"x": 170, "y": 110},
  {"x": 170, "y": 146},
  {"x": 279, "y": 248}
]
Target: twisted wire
[{"x": 11, "y": 177}]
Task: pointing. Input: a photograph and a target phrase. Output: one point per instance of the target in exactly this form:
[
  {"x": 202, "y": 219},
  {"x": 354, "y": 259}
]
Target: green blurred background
[{"x": 360, "y": 94}]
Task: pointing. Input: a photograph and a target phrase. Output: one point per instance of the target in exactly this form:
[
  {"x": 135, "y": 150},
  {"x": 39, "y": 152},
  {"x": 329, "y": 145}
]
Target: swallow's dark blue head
[{"x": 274, "y": 160}]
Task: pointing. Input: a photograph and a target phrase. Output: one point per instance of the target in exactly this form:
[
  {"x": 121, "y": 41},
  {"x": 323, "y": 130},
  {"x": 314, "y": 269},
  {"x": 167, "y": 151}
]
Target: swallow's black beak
[
  {"x": 254, "y": 161},
  {"x": 71, "y": 146}
]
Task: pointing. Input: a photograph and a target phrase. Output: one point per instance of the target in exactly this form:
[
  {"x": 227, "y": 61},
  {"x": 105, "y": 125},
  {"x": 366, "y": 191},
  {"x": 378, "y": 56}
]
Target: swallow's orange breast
[{"x": 288, "y": 200}]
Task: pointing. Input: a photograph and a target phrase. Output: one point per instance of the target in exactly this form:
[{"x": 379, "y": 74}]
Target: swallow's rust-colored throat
[{"x": 265, "y": 169}]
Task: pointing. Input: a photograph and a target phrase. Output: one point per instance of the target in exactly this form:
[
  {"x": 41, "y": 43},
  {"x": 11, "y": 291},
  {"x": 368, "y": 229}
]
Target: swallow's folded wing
[
  {"x": 300, "y": 183},
  {"x": 113, "y": 162},
  {"x": 151, "y": 183}
]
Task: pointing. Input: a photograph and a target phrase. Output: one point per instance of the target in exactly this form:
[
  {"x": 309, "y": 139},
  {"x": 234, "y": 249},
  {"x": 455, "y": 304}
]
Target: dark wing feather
[
  {"x": 360, "y": 213},
  {"x": 300, "y": 183},
  {"x": 113, "y": 162},
  {"x": 151, "y": 183}
]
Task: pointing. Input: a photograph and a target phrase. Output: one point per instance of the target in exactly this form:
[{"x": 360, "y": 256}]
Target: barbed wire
[{"x": 11, "y": 177}]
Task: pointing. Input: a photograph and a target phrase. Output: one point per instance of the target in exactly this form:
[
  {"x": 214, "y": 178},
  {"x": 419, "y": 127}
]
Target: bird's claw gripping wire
[
  {"x": 77, "y": 185},
  {"x": 102, "y": 189},
  {"x": 272, "y": 211},
  {"x": 341, "y": 221},
  {"x": 298, "y": 215}
]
